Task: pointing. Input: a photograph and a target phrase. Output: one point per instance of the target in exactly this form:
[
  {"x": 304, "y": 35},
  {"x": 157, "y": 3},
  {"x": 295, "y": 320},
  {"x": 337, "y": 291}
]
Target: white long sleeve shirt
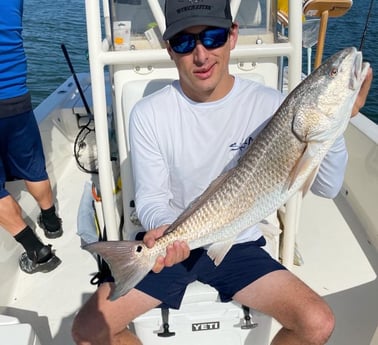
[{"x": 179, "y": 146}]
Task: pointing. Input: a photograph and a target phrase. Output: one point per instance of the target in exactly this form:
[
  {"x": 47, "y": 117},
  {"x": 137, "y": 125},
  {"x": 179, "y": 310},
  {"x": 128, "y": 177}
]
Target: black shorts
[{"x": 243, "y": 264}]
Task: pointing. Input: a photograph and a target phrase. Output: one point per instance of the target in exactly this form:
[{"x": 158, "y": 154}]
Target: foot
[
  {"x": 48, "y": 230},
  {"x": 43, "y": 261}
]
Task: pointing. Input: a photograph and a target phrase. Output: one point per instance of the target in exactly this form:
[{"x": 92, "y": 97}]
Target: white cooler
[
  {"x": 12, "y": 332},
  {"x": 202, "y": 319}
]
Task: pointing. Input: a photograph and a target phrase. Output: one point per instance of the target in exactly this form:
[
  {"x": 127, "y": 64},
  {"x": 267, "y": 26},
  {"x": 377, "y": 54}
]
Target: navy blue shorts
[
  {"x": 243, "y": 264},
  {"x": 21, "y": 150}
]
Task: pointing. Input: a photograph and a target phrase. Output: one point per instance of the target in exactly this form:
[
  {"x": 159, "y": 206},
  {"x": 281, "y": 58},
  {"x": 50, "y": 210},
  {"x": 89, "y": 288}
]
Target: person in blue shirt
[{"x": 21, "y": 151}]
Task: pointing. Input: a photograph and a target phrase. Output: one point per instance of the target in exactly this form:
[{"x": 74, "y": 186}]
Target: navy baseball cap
[{"x": 182, "y": 14}]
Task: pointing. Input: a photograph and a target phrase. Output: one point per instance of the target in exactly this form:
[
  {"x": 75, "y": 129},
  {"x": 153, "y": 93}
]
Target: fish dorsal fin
[
  {"x": 198, "y": 202},
  {"x": 303, "y": 164},
  {"x": 218, "y": 250}
]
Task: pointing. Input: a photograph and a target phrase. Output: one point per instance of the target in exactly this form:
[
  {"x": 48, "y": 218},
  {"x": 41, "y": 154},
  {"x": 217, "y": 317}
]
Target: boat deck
[
  {"x": 339, "y": 264},
  {"x": 50, "y": 301}
]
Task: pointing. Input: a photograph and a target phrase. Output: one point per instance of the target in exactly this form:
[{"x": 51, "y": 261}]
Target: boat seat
[
  {"x": 134, "y": 90},
  {"x": 131, "y": 93},
  {"x": 199, "y": 299},
  {"x": 324, "y": 9},
  {"x": 335, "y": 8},
  {"x": 12, "y": 332}
]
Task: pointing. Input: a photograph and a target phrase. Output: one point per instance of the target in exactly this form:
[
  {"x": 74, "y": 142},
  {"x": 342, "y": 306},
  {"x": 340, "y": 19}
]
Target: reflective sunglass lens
[
  {"x": 183, "y": 43},
  {"x": 210, "y": 38},
  {"x": 214, "y": 38}
]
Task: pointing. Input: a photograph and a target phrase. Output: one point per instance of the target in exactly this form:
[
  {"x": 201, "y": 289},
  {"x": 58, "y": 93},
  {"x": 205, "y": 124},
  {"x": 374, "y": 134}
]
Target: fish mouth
[{"x": 359, "y": 71}]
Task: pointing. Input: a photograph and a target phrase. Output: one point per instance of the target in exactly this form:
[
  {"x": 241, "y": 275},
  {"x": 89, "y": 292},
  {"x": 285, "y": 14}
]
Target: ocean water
[{"x": 48, "y": 24}]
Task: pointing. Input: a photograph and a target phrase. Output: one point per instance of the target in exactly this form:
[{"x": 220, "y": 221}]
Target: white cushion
[{"x": 18, "y": 334}]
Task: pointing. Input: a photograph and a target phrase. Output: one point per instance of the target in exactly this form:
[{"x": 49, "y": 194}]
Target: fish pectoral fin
[
  {"x": 308, "y": 183},
  {"x": 303, "y": 163},
  {"x": 218, "y": 250}
]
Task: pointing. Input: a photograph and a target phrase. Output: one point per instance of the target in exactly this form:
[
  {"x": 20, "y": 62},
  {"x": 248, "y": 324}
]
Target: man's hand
[
  {"x": 175, "y": 253},
  {"x": 361, "y": 98}
]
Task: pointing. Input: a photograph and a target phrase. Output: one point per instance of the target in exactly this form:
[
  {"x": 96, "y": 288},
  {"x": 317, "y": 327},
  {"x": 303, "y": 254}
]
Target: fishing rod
[
  {"x": 68, "y": 59},
  {"x": 366, "y": 25},
  {"x": 80, "y": 140}
]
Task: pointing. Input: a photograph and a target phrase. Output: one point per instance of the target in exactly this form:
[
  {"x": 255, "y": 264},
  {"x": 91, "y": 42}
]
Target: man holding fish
[{"x": 178, "y": 151}]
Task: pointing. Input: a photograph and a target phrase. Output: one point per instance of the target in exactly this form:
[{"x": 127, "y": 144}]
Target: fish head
[{"x": 328, "y": 95}]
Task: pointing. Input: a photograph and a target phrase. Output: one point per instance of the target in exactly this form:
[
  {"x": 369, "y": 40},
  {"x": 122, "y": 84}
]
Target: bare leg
[
  {"x": 104, "y": 322},
  {"x": 305, "y": 317},
  {"x": 11, "y": 215},
  {"x": 42, "y": 193}
]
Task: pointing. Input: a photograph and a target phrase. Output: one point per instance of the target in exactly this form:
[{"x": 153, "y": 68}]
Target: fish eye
[
  {"x": 333, "y": 72},
  {"x": 139, "y": 249}
]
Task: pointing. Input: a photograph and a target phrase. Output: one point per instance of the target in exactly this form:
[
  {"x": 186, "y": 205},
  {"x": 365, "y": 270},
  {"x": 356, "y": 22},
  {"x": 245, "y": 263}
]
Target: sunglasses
[{"x": 210, "y": 38}]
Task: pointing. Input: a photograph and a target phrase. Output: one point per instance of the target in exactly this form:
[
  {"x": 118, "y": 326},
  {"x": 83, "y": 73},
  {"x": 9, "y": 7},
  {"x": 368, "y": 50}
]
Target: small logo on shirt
[{"x": 242, "y": 146}]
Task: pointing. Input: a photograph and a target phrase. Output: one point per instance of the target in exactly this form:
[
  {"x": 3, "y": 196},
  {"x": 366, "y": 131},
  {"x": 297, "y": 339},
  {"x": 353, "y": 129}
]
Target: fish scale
[{"x": 278, "y": 163}]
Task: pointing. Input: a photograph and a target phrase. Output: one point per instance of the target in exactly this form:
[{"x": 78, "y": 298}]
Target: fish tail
[{"x": 126, "y": 266}]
